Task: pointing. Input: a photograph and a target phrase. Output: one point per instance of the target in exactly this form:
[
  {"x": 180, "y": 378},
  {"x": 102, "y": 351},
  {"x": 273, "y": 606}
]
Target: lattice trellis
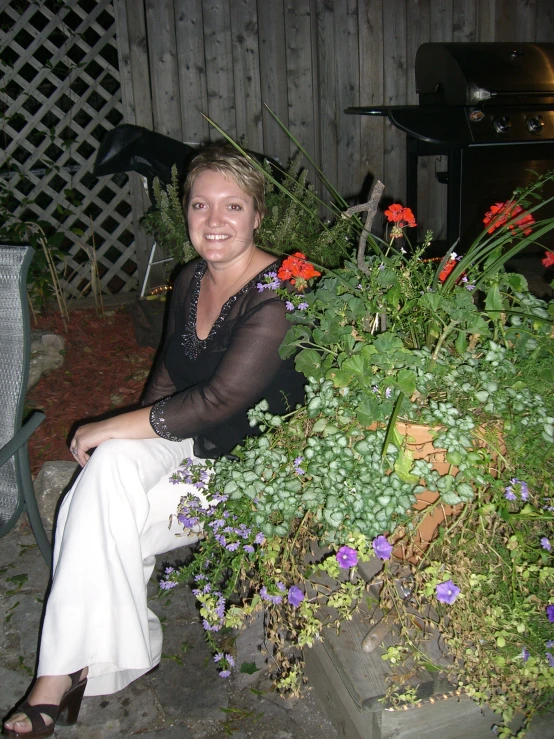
[{"x": 60, "y": 95}]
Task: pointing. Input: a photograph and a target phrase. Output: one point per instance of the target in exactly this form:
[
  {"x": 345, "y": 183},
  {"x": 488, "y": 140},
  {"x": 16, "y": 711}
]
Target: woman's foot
[{"x": 48, "y": 690}]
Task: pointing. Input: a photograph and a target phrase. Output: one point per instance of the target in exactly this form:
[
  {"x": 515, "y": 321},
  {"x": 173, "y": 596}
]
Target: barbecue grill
[{"x": 488, "y": 107}]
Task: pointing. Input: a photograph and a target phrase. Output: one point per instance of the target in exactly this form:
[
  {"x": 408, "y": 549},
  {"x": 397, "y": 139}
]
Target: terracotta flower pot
[{"x": 420, "y": 443}]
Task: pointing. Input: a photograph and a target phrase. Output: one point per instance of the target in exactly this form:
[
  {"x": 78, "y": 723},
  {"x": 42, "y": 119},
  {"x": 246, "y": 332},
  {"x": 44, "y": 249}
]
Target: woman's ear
[{"x": 257, "y": 221}]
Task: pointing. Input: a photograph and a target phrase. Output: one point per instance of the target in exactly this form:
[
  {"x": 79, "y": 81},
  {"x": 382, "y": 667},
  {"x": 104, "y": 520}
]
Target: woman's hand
[{"x": 133, "y": 425}]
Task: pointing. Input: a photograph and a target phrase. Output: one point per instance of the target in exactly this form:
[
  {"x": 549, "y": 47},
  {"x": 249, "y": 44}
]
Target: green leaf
[
  {"x": 309, "y": 361},
  {"x": 430, "y": 300},
  {"x": 494, "y": 300},
  {"x": 340, "y": 378},
  {"x": 403, "y": 465},
  {"x": 406, "y": 381},
  {"x": 249, "y": 668}
]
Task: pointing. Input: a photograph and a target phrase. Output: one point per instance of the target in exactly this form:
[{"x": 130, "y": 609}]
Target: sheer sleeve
[{"x": 247, "y": 368}]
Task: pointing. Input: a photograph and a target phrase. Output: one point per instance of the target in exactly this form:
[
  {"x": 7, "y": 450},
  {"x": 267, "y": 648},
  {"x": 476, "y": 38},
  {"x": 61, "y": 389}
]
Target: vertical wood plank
[
  {"x": 246, "y": 72},
  {"x": 505, "y": 14},
  {"x": 395, "y": 36},
  {"x": 273, "y": 76},
  {"x": 162, "y": 48},
  {"x": 486, "y": 15},
  {"x": 350, "y": 178},
  {"x": 300, "y": 77},
  {"x": 193, "y": 91},
  {"x": 327, "y": 97},
  {"x": 464, "y": 20},
  {"x": 545, "y": 20},
  {"x": 525, "y": 20},
  {"x": 441, "y": 20},
  {"x": 219, "y": 66},
  {"x": 372, "y": 128},
  {"x": 137, "y": 106}
]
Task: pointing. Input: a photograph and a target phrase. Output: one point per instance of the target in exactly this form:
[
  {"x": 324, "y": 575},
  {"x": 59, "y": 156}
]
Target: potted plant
[{"x": 389, "y": 342}]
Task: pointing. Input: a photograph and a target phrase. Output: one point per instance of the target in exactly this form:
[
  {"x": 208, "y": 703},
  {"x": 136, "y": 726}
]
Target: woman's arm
[{"x": 132, "y": 425}]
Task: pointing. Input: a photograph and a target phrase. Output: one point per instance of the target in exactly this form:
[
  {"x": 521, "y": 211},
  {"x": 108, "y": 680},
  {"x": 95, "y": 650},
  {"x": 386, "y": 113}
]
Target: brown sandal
[{"x": 65, "y": 714}]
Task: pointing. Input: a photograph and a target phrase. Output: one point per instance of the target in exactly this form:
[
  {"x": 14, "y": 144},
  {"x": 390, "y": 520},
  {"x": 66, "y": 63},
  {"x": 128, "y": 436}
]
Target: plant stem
[{"x": 441, "y": 341}]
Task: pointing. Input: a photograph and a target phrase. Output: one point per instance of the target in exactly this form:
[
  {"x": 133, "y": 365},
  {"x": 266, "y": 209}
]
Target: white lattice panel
[{"x": 60, "y": 95}]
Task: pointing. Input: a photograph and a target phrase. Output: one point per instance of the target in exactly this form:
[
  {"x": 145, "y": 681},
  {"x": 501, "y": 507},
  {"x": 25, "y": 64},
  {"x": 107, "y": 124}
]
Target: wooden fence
[
  {"x": 307, "y": 60},
  {"x": 73, "y": 69}
]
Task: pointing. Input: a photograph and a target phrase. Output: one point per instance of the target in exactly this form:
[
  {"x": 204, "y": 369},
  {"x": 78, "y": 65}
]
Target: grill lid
[{"x": 485, "y": 73}]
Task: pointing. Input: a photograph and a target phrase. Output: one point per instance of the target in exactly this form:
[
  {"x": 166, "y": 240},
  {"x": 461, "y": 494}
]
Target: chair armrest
[{"x": 32, "y": 423}]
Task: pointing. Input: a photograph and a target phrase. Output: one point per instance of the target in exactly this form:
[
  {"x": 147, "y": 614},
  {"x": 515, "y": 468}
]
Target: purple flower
[
  {"x": 296, "y": 596},
  {"x": 297, "y": 468},
  {"x": 447, "y": 592},
  {"x": 218, "y": 656},
  {"x": 348, "y": 557},
  {"x": 374, "y": 389},
  {"x": 248, "y": 548},
  {"x": 260, "y": 286},
  {"x": 388, "y": 392},
  {"x": 550, "y": 659},
  {"x": 525, "y": 654},
  {"x": 225, "y": 673},
  {"x": 545, "y": 544},
  {"x": 281, "y": 587},
  {"x": 230, "y": 660},
  {"x": 167, "y": 584},
  {"x": 260, "y": 538},
  {"x": 302, "y": 306},
  {"x": 550, "y": 613},
  {"x": 289, "y": 305},
  {"x": 381, "y": 547},
  {"x": 169, "y": 570},
  {"x": 232, "y": 547},
  {"x": 509, "y": 494}
]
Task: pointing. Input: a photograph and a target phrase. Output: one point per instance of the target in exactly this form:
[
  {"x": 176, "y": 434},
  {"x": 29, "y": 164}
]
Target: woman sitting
[{"x": 220, "y": 357}]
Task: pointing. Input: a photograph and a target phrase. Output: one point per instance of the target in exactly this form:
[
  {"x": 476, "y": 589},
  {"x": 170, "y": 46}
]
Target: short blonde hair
[{"x": 227, "y": 160}]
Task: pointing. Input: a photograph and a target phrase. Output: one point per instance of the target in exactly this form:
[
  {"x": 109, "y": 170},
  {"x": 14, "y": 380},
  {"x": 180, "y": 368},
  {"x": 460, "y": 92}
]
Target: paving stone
[{"x": 53, "y": 479}]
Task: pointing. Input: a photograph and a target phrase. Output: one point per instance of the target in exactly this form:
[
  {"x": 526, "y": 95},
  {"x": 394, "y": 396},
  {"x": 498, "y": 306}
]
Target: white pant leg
[{"x": 110, "y": 527}]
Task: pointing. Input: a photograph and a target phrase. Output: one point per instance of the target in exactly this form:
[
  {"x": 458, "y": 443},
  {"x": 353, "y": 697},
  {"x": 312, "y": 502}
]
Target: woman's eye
[
  {"x": 235, "y": 206},
  {"x": 197, "y": 206}
]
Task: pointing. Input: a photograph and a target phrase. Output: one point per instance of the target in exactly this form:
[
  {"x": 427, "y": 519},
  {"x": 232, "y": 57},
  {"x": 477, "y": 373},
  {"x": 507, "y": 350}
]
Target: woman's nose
[{"x": 215, "y": 217}]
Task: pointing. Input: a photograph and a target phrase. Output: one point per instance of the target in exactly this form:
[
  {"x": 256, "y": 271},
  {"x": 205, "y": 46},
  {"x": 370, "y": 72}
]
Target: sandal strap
[{"x": 33, "y": 713}]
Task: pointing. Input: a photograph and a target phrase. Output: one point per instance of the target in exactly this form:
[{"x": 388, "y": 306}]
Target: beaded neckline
[{"x": 190, "y": 342}]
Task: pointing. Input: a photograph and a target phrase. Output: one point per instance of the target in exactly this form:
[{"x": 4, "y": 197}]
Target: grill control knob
[
  {"x": 534, "y": 123},
  {"x": 502, "y": 124}
]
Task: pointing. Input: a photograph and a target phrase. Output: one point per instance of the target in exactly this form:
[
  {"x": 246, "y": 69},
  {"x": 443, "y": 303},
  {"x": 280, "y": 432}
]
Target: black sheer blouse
[{"x": 202, "y": 389}]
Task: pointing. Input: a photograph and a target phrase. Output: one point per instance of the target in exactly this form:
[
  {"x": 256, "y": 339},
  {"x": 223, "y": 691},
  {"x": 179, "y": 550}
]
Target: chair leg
[{"x": 31, "y": 505}]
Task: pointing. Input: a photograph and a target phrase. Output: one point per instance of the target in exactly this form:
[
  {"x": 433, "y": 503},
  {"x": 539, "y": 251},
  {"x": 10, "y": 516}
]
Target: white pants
[{"x": 111, "y": 526}]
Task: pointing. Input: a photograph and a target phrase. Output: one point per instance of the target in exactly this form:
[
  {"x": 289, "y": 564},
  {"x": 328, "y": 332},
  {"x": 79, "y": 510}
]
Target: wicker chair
[{"x": 16, "y": 485}]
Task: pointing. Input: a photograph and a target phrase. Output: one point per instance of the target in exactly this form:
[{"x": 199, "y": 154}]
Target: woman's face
[{"x": 221, "y": 218}]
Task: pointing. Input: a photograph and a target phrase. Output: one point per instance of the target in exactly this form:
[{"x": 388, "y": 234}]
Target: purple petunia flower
[
  {"x": 525, "y": 654},
  {"x": 232, "y": 547},
  {"x": 225, "y": 673},
  {"x": 381, "y": 547},
  {"x": 447, "y": 592},
  {"x": 295, "y": 596},
  {"x": 347, "y": 557},
  {"x": 550, "y": 613},
  {"x": 545, "y": 544},
  {"x": 289, "y": 306},
  {"x": 550, "y": 659},
  {"x": 167, "y": 584},
  {"x": 248, "y": 548},
  {"x": 218, "y": 656},
  {"x": 302, "y": 306}
]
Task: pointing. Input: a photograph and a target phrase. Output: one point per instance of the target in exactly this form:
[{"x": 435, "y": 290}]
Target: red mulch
[{"x": 103, "y": 369}]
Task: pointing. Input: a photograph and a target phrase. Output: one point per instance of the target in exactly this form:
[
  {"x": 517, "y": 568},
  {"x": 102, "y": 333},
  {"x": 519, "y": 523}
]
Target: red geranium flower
[
  {"x": 401, "y": 216},
  {"x": 505, "y": 213},
  {"x": 297, "y": 270},
  {"x": 548, "y": 260}
]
